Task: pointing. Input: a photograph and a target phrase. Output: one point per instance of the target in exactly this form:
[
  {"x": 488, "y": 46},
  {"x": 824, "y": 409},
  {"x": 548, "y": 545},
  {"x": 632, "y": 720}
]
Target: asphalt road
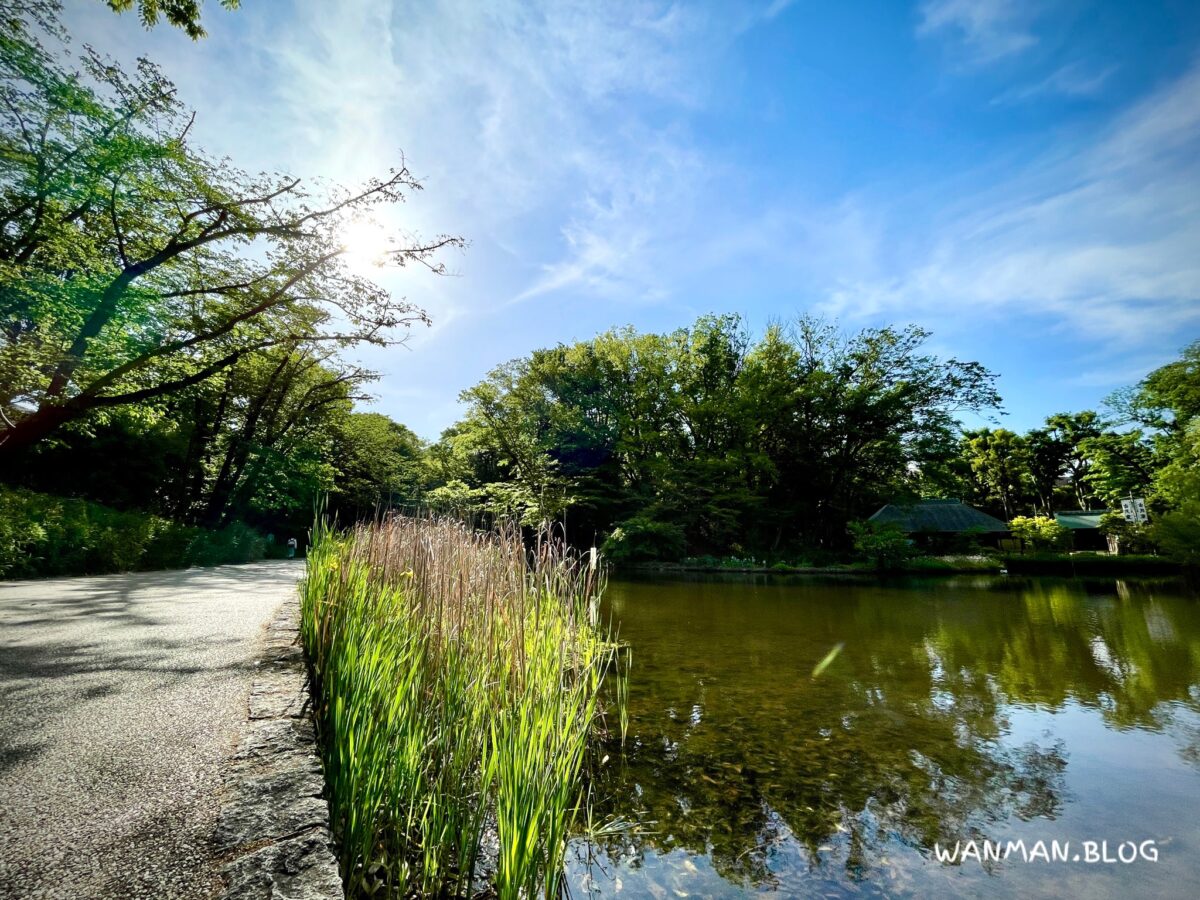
[{"x": 120, "y": 698}]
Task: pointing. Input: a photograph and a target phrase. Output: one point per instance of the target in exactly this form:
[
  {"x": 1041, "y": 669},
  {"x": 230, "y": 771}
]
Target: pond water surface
[{"x": 957, "y": 710}]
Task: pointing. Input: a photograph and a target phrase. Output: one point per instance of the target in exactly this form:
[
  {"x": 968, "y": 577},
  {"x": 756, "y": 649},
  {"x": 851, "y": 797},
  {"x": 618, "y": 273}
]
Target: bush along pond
[{"x": 458, "y": 678}]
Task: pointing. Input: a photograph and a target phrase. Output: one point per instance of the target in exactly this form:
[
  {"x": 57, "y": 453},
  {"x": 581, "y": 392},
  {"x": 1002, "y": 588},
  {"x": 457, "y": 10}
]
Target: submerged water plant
[{"x": 458, "y": 675}]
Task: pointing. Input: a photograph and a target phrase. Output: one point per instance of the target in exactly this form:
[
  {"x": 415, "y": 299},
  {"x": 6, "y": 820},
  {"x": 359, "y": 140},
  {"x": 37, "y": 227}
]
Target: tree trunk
[{"x": 31, "y": 429}]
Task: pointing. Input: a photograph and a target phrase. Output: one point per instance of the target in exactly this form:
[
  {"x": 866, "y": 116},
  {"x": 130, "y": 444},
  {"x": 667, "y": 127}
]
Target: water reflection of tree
[
  {"x": 1128, "y": 657},
  {"x": 903, "y": 743}
]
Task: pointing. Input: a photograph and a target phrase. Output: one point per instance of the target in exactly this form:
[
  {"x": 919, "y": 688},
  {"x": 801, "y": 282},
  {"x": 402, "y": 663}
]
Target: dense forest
[
  {"x": 706, "y": 441},
  {"x": 174, "y": 337}
]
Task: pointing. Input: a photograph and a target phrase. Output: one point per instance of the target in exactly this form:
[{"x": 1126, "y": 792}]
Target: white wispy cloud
[
  {"x": 987, "y": 30},
  {"x": 1074, "y": 80},
  {"x": 1094, "y": 236},
  {"x": 1099, "y": 238},
  {"x": 775, "y": 7},
  {"x": 557, "y": 138},
  {"x": 521, "y": 115}
]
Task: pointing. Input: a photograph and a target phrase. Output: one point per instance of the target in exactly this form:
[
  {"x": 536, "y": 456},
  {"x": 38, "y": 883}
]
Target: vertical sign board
[{"x": 1134, "y": 510}]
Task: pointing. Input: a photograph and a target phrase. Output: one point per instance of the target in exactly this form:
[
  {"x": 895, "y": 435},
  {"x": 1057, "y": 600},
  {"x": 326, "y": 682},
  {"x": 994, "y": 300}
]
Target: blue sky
[{"x": 1021, "y": 178}]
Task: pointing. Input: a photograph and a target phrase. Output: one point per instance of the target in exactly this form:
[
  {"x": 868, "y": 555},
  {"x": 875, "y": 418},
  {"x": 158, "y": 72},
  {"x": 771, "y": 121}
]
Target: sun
[{"x": 366, "y": 243}]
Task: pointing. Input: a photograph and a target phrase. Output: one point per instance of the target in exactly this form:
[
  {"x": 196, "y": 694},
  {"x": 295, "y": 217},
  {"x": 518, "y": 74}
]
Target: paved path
[{"x": 120, "y": 698}]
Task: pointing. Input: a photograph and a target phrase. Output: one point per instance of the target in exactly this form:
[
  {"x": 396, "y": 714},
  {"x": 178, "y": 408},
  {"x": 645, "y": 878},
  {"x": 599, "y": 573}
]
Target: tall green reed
[{"x": 458, "y": 677}]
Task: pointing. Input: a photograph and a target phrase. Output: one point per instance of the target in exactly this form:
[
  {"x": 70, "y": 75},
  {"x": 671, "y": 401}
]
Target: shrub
[
  {"x": 641, "y": 539},
  {"x": 1132, "y": 537},
  {"x": 1178, "y": 533},
  {"x": 1040, "y": 533},
  {"x": 884, "y": 546},
  {"x": 42, "y": 535},
  {"x": 236, "y": 543},
  {"x": 972, "y": 563}
]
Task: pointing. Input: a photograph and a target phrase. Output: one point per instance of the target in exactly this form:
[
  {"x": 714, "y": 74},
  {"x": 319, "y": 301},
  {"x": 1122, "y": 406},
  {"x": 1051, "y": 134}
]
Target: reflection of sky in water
[{"x": 960, "y": 709}]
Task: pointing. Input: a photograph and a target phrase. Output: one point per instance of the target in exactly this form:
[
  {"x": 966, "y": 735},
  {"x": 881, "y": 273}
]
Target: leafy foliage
[
  {"x": 885, "y": 546},
  {"x": 42, "y": 535},
  {"x": 183, "y": 14},
  {"x": 1120, "y": 465},
  {"x": 641, "y": 539},
  {"x": 1132, "y": 537},
  {"x": 171, "y": 328},
  {"x": 1177, "y": 532},
  {"x": 725, "y": 439},
  {"x": 134, "y": 267},
  {"x": 1040, "y": 533},
  {"x": 999, "y": 460},
  {"x": 255, "y": 443},
  {"x": 712, "y": 438},
  {"x": 1165, "y": 464},
  {"x": 378, "y": 463}
]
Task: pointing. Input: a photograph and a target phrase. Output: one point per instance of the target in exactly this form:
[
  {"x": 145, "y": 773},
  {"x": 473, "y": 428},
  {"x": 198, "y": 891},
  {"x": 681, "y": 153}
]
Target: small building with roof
[
  {"x": 1084, "y": 525},
  {"x": 941, "y": 522}
]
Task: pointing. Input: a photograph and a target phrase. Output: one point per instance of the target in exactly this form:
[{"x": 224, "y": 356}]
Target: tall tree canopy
[
  {"x": 1000, "y": 462},
  {"x": 1167, "y": 461},
  {"x": 379, "y": 463},
  {"x": 710, "y": 438},
  {"x": 133, "y": 266},
  {"x": 172, "y": 330}
]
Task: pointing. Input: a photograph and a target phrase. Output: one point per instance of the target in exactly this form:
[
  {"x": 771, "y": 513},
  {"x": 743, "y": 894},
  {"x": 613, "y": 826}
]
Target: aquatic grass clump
[{"x": 458, "y": 676}]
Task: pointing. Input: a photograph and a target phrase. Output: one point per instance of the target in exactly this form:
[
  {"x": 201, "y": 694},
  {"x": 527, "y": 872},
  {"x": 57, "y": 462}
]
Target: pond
[{"x": 957, "y": 712}]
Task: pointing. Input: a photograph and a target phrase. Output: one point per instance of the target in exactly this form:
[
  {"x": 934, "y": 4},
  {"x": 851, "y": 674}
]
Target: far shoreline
[{"x": 1075, "y": 565}]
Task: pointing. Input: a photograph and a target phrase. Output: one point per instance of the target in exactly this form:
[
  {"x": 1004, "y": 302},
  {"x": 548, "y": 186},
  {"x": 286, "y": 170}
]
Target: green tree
[
  {"x": 999, "y": 460},
  {"x": 1177, "y": 490},
  {"x": 379, "y": 462},
  {"x": 183, "y": 14},
  {"x": 1177, "y": 481},
  {"x": 1119, "y": 465},
  {"x": 1132, "y": 537},
  {"x": 1040, "y": 532},
  {"x": 1047, "y": 457},
  {"x": 1163, "y": 464},
  {"x": 274, "y": 449},
  {"x": 1177, "y": 532},
  {"x": 640, "y": 539},
  {"x": 257, "y": 442},
  {"x": 761, "y": 443},
  {"x": 1070, "y": 430},
  {"x": 886, "y": 546},
  {"x": 1168, "y": 398},
  {"x": 133, "y": 267}
]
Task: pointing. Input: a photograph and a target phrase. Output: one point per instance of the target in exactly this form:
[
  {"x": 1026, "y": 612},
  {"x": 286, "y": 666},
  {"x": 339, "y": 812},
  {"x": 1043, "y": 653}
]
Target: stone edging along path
[{"x": 273, "y": 831}]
